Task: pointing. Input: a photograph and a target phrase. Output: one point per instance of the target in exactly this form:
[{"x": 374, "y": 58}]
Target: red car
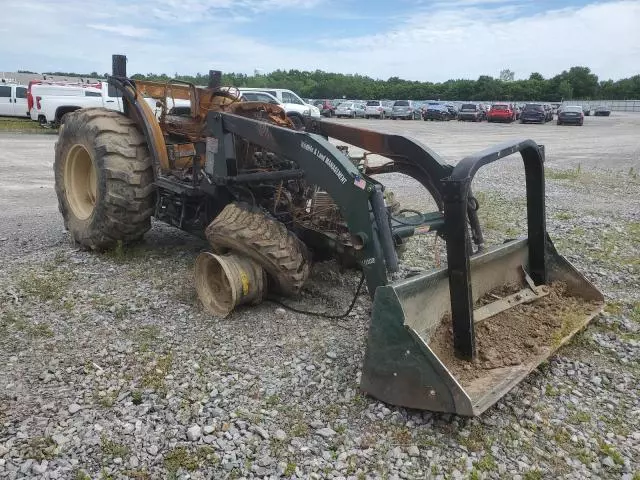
[
  {"x": 327, "y": 108},
  {"x": 502, "y": 112}
]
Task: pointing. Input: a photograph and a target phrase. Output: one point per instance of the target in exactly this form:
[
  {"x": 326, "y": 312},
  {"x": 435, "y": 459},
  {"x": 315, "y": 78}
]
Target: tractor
[{"x": 270, "y": 196}]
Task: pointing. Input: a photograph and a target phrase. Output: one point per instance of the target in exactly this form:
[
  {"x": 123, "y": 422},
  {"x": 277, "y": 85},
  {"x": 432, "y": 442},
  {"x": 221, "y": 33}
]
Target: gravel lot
[{"x": 109, "y": 368}]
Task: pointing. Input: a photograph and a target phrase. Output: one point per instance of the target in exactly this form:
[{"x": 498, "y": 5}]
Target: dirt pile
[{"x": 514, "y": 336}]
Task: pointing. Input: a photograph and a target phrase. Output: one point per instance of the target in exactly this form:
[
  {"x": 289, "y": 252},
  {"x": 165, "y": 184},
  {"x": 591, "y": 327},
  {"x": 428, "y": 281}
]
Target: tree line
[{"x": 575, "y": 83}]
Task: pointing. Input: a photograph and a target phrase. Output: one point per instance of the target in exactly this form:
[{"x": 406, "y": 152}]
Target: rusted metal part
[
  {"x": 181, "y": 154},
  {"x": 261, "y": 111},
  {"x": 137, "y": 107},
  {"x": 190, "y": 129},
  {"x": 160, "y": 90}
]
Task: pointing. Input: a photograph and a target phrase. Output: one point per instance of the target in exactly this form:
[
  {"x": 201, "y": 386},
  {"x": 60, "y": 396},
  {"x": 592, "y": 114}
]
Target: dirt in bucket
[{"x": 514, "y": 336}]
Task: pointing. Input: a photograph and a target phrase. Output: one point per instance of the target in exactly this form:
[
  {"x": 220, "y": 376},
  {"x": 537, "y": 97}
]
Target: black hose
[
  {"x": 410, "y": 224},
  {"x": 320, "y": 314}
]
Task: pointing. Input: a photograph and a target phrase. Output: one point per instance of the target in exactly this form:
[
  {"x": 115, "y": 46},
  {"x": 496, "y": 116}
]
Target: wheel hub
[{"x": 80, "y": 182}]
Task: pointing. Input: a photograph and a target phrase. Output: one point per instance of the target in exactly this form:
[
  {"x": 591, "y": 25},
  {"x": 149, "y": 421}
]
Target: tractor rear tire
[
  {"x": 103, "y": 178},
  {"x": 250, "y": 231}
]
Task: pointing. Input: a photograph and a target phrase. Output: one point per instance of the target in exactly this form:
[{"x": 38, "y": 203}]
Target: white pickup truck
[
  {"x": 13, "y": 100},
  {"x": 52, "y": 102}
]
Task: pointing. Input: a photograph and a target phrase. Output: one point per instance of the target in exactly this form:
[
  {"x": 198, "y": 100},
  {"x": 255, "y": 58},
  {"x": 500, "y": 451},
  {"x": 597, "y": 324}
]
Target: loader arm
[{"x": 408, "y": 156}]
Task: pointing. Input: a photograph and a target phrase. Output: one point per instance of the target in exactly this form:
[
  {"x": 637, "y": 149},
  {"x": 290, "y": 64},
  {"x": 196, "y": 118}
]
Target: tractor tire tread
[
  {"x": 126, "y": 202},
  {"x": 251, "y": 231}
]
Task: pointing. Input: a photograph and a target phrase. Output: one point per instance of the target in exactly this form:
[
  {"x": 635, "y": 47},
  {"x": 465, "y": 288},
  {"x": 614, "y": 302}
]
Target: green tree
[
  {"x": 565, "y": 90},
  {"x": 507, "y": 75},
  {"x": 584, "y": 83}
]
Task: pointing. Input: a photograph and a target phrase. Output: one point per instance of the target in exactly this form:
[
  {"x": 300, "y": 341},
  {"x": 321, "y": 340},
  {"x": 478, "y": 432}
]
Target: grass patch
[
  {"x": 46, "y": 285},
  {"x": 136, "y": 397},
  {"x": 122, "y": 253},
  {"x": 41, "y": 448},
  {"x": 15, "y": 125},
  {"x": 182, "y": 458},
  {"x": 564, "y": 216},
  {"x": 154, "y": 377},
  {"x": 501, "y": 216},
  {"x": 609, "y": 451},
  {"x": 613, "y": 308},
  {"x": 534, "y": 474},
  {"x": 486, "y": 464},
  {"x": 561, "y": 437},
  {"x": 402, "y": 436},
  {"x": 572, "y": 174},
  {"x": 19, "y": 322},
  {"x": 571, "y": 320},
  {"x": 551, "y": 391},
  {"x": 476, "y": 440},
  {"x": 81, "y": 475},
  {"x": 113, "y": 449},
  {"x": 107, "y": 400},
  {"x": 585, "y": 456},
  {"x": 579, "y": 417},
  {"x": 147, "y": 335},
  {"x": 272, "y": 401},
  {"x": 290, "y": 470}
]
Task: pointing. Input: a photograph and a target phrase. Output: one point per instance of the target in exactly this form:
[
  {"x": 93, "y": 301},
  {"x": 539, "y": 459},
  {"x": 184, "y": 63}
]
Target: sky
[{"x": 427, "y": 40}]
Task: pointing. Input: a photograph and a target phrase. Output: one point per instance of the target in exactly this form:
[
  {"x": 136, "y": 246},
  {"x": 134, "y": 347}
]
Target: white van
[
  {"x": 292, "y": 103},
  {"x": 13, "y": 100}
]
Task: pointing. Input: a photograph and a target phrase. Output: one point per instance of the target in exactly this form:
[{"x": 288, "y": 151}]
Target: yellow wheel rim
[{"x": 80, "y": 182}]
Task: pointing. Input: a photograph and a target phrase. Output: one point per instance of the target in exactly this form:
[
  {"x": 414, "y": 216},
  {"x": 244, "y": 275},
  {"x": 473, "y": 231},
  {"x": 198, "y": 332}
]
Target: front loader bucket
[{"x": 407, "y": 364}]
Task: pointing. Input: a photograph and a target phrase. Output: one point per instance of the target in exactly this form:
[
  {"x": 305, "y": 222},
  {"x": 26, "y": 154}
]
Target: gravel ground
[{"x": 110, "y": 369}]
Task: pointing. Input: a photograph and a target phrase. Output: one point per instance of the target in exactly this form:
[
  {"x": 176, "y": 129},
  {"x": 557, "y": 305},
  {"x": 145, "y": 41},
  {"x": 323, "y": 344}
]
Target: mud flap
[{"x": 401, "y": 369}]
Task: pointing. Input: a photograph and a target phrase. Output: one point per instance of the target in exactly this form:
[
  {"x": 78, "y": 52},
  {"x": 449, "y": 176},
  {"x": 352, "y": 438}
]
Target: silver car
[
  {"x": 350, "y": 110},
  {"x": 378, "y": 108},
  {"x": 405, "y": 109}
]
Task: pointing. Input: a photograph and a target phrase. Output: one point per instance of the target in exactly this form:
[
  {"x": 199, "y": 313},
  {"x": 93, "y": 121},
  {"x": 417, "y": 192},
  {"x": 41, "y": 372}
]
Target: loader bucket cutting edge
[{"x": 401, "y": 368}]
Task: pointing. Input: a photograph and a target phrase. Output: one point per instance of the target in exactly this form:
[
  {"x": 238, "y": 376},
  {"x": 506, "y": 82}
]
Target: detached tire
[
  {"x": 252, "y": 232},
  {"x": 103, "y": 178}
]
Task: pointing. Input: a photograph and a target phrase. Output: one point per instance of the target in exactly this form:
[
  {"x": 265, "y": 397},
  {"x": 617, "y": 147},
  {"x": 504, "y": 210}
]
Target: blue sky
[{"x": 415, "y": 39}]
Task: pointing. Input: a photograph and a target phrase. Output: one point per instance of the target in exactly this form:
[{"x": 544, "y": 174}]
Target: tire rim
[{"x": 80, "y": 182}]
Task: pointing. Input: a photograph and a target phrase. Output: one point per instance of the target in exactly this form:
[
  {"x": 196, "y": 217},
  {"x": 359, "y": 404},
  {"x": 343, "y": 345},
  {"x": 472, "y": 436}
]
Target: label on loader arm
[{"x": 327, "y": 161}]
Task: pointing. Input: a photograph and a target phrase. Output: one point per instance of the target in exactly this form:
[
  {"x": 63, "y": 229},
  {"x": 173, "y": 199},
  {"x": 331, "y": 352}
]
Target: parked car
[
  {"x": 436, "y": 112},
  {"x": 570, "y": 114},
  {"x": 502, "y": 112},
  {"x": 259, "y": 97},
  {"x": 470, "y": 112},
  {"x": 377, "y": 108},
  {"x": 602, "y": 111},
  {"x": 484, "y": 111},
  {"x": 518, "y": 111},
  {"x": 453, "y": 110},
  {"x": 292, "y": 102},
  {"x": 327, "y": 108},
  {"x": 13, "y": 100},
  {"x": 253, "y": 96},
  {"x": 350, "y": 110},
  {"x": 405, "y": 109},
  {"x": 533, "y": 113}
]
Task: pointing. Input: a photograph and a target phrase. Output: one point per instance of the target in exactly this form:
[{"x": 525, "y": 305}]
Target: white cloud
[
  {"x": 124, "y": 30},
  {"x": 440, "y": 40}
]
